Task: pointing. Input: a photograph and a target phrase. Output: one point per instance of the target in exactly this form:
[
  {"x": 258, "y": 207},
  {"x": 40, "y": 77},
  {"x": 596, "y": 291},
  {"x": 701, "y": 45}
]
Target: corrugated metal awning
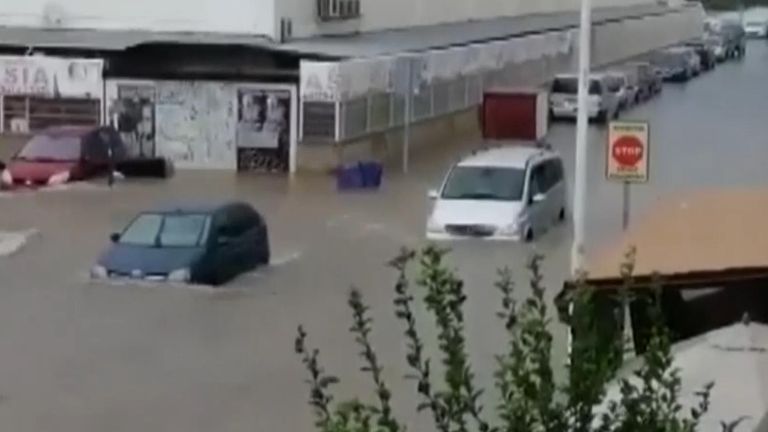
[{"x": 118, "y": 40}]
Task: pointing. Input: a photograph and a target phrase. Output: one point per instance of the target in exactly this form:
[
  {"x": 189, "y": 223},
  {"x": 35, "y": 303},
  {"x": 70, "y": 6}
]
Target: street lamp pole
[{"x": 582, "y": 125}]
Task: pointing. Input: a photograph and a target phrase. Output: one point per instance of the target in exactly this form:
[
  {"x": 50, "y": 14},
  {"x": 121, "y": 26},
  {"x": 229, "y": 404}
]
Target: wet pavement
[{"x": 77, "y": 356}]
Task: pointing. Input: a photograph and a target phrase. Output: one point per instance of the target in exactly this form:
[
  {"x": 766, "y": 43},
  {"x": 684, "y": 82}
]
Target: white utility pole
[{"x": 582, "y": 126}]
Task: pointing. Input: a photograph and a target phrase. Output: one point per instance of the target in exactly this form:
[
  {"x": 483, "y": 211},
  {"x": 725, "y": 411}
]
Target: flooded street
[{"x": 77, "y": 356}]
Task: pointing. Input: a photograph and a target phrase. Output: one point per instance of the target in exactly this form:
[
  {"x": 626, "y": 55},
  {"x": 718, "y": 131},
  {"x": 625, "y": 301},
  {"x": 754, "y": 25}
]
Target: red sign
[{"x": 627, "y": 150}]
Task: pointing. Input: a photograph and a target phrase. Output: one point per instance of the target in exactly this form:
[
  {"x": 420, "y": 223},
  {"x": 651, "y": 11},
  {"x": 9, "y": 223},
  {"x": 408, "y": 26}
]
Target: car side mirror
[
  {"x": 539, "y": 197},
  {"x": 433, "y": 194},
  {"x": 114, "y": 237}
]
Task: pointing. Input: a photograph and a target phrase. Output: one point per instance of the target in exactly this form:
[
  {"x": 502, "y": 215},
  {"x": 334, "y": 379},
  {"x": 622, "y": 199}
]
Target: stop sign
[{"x": 627, "y": 150}]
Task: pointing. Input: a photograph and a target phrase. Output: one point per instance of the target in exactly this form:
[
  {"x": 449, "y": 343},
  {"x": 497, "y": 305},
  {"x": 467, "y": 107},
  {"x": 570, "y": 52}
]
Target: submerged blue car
[{"x": 205, "y": 244}]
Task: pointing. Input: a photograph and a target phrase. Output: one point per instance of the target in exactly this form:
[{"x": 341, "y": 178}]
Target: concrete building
[{"x": 278, "y": 85}]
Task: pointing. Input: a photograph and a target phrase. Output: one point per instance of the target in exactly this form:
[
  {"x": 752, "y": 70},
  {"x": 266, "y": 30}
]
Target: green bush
[{"x": 529, "y": 398}]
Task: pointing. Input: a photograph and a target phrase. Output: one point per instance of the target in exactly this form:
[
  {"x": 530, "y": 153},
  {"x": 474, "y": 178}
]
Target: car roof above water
[{"x": 507, "y": 156}]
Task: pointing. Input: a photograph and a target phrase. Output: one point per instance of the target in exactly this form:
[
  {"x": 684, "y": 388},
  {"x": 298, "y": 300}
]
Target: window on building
[
  {"x": 354, "y": 117},
  {"x": 458, "y": 94},
  {"x": 422, "y": 103},
  {"x": 398, "y": 110},
  {"x": 23, "y": 114},
  {"x": 379, "y": 111},
  {"x": 319, "y": 120},
  {"x": 441, "y": 92}
]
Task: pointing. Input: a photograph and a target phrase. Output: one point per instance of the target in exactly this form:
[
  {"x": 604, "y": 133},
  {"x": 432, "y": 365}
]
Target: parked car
[
  {"x": 603, "y": 104},
  {"x": 208, "y": 244},
  {"x": 734, "y": 37},
  {"x": 649, "y": 83},
  {"x": 717, "y": 44},
  {"x": 505, "y": 193},
  {"x": 756, "y": 29},
  {"x": 675, "y": 64},
  {"x": 623, "y": 87},
  {"x": 62, "y": 154},
  {"x": 705, "y": 52}
]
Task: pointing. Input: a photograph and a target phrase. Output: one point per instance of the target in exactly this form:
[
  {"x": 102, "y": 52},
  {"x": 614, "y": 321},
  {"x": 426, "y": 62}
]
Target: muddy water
[{"x": 77, "y": 356}]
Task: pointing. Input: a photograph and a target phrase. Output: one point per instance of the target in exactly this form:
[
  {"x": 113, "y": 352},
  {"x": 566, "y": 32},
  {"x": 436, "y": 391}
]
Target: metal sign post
[
  {"x": 627, "y": 162},
  {"x": 626, "y": 205}
]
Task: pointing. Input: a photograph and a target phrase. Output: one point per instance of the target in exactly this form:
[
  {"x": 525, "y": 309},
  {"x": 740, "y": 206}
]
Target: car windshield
[
  {"x": 50, "y": 147},
  {"x": 161, "y": 230},
  {"x": 571, "y": 86},
  {"x": 484, "y": 183}
]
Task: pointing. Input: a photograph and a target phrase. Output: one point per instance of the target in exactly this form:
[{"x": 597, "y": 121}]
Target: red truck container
[{"x": 515, "y": 113}]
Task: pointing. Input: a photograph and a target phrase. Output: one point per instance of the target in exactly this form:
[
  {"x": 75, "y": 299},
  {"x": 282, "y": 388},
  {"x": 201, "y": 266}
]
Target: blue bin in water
[
  {"x": 349, "y": 177},
  {"x": 371, "y": 173}
]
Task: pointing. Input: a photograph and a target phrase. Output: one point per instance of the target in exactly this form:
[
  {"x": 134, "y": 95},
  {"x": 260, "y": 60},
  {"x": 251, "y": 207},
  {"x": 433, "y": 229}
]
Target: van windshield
[
  {"x": 571, "y": 86},
  {"x": 484, "y": 183}
]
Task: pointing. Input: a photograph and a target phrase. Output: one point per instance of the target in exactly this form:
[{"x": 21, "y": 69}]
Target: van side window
[
  {"x": 554, "y": 172},
  {"x": 538, "y": 181}
]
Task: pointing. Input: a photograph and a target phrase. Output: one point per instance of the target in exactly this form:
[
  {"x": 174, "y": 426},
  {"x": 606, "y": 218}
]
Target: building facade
[{"x": 277, "y": 85}]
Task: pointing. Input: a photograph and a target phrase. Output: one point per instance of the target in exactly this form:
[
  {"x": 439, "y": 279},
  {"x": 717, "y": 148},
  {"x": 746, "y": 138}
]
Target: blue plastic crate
[
  {"x": 372, "y": 173},
  {"x": 349, "y": 177}
]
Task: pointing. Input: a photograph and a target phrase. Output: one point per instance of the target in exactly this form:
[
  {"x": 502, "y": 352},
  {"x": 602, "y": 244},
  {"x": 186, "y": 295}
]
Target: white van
[
  {"x": 504, "y": 193},
  {"x": 603, "y": 104}
]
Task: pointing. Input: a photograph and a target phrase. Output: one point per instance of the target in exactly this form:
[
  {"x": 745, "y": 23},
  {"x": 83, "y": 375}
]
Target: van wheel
[
  {"x": 528, "y": 235},
  {"x": 561, "y": 215}
]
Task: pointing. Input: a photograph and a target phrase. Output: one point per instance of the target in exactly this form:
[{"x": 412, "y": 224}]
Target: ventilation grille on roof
[{"x": 332, "y": 10}]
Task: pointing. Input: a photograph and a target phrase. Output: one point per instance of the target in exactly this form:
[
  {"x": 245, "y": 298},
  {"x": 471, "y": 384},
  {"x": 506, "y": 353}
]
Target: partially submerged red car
[{"x": 62, "y": 154}]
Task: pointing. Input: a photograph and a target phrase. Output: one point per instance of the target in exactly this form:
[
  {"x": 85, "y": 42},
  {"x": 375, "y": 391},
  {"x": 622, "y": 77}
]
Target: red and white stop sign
[{"x": 627, "y": 150}]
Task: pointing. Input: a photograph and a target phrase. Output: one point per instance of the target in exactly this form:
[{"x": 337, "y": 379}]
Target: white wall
[
  {"x": 620, "y": 40},
  {"x": 262, "y": 16},
  {"x": 233, "y": 16},
  {"x": 387, "y": 14}
]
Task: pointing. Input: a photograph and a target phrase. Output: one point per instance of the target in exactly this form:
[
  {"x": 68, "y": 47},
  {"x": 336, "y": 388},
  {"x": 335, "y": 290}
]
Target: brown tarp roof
[{"x": 702, "y": 232}]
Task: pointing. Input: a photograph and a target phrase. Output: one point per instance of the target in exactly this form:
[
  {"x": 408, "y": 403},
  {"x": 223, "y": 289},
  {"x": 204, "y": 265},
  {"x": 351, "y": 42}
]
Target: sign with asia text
[
  {"x": 627, "y": 152},
  {"x": 50, "y": 76}
]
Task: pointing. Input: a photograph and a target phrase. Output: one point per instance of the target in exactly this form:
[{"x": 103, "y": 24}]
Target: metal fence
[{"x": 379, "y": 112}]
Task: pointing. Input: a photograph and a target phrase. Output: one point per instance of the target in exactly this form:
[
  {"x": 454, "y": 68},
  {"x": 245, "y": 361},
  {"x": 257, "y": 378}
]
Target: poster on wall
[
  {"x": 134, "y": 114},
  {"x": 263, "y": 129}
]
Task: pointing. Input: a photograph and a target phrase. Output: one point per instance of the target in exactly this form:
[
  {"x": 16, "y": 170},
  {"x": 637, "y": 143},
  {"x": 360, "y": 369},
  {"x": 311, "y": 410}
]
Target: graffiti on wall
[{"x": 196, "y": 124}]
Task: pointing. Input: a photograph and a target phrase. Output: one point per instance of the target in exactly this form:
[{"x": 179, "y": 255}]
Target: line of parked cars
[
  {"x": 610, "y": 92},
  {"x": 613, "y": 90}
]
